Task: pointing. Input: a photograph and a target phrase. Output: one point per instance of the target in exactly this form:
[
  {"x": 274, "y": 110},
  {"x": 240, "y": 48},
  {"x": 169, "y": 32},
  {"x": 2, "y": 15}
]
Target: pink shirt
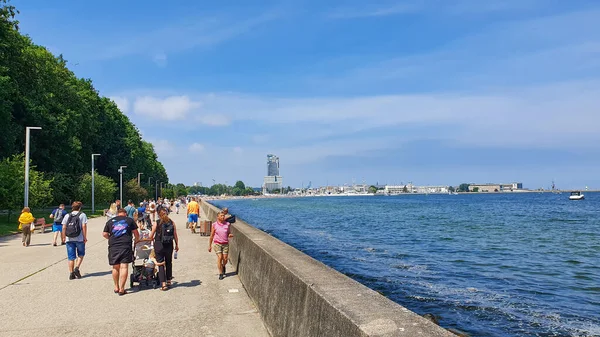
[{"x": 221, "y": 232}]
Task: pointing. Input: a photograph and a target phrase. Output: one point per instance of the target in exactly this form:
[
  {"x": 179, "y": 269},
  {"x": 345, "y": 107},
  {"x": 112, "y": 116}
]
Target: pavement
[{"x": 38, "y": 299}]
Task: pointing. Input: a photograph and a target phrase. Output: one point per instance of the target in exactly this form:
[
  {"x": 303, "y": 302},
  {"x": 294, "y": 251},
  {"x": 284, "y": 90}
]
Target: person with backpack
[
  {"x": 120, "y": 232},
  {"x": 58, "y": 215},
  {"x": 164, "y": 233},
  {"x": 74, "y": 233}
]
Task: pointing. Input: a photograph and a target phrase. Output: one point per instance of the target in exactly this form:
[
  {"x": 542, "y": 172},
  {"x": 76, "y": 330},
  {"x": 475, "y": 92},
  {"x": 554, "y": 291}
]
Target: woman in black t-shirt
[{"x": 164, "y": 233}]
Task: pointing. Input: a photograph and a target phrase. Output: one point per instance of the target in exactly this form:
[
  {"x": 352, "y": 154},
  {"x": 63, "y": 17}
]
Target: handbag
[
  {"x": 231, "y": 219},
  {"x": 32, "y": 227}
]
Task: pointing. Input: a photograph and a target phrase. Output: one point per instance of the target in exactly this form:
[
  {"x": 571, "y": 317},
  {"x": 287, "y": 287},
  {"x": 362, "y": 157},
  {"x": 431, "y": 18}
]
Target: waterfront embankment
[{"x": 297, "y": 295}]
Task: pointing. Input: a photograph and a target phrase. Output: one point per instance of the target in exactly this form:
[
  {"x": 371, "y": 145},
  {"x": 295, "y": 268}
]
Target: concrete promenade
[{"x": 38, "y": 299}]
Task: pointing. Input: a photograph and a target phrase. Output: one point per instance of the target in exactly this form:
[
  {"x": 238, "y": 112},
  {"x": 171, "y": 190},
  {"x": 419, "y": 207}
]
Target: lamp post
[
  {"x": 93, "y": 208},
  {"x": 27, "y": 134},
  {"x": 156, "y": 189},
  {"x": 139, "y": 174},
  {"x": 161, "y": 189},
  {"x": 121, "y": 182}
]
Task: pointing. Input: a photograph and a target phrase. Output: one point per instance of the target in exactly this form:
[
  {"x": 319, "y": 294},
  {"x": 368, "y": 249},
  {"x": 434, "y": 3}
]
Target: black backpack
[
  {"x": 73, "y": 225},
  {"x": 168, "y": 232}
]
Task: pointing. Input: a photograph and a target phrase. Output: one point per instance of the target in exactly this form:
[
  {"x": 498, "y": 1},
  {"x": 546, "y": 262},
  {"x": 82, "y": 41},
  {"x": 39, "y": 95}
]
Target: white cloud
[
  {"x": 196, "y": 148},
  {"x": 214, "y": 120},
  {"x": 455, "y": 7},
  {"x": 350, "y": 13},
  {"x": 162, "y": 147},
  {"x": 170, "y": 108},
  {"x": 238, "y": 149},
  {"x": 188, "y": 33},
  {"x": 121, "y": 102}
]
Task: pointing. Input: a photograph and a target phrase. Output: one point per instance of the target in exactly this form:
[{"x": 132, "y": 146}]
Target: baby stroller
[{"x": 143, "y": 269}]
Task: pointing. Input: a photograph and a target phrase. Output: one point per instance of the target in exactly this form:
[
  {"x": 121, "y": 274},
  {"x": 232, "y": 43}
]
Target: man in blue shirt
[
  {"x": 58, "y": 215},
  {"x": 130, "y": 209}
]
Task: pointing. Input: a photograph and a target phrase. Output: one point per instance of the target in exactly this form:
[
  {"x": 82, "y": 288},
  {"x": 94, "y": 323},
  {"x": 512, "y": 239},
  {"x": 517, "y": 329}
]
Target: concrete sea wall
[{"x": 297, "y": 295}]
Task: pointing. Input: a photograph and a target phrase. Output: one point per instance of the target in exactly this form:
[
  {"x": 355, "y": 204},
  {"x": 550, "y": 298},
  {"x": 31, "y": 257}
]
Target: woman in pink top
[{"x": 220, "y": 234}]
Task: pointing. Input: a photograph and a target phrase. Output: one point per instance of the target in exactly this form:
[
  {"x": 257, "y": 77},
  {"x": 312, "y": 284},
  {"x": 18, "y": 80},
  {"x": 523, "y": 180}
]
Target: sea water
[{"x": 488, "y": 264}]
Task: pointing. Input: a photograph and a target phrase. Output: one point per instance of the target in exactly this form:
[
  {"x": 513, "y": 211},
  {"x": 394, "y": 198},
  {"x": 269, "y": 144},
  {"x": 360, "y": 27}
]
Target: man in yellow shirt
[{"x": 193, "y": 211}]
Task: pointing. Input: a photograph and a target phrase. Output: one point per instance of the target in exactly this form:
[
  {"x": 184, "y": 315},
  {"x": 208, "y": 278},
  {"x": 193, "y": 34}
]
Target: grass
[{"x": 10, "y": 227}]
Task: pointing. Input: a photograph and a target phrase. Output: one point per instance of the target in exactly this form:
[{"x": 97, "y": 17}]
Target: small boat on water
[{"x": 576, "y": 195}]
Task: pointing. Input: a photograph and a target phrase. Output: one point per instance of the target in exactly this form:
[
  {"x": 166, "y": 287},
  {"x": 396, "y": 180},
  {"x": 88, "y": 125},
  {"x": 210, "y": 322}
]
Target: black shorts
[{"x": 120, "y": 255}]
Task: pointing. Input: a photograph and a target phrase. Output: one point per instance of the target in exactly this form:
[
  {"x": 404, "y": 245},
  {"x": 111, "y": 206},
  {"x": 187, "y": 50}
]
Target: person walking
[
  {"x": 120, "y": 232},
  {"x": 74, "y": 233},
  {"x": 177, "y": 204},
  {"x": 164, "y": 232},
  {"x": 141, "y": 216},
  {"x": 152, "y": 210},
  {"x": 220, "y": 234},
  {"x": 58, "y": 215},
  {"x": 112, "y": 211},
  {"x": 130, "y": 209},
  {"x": 25, "y": 221},
  {"x": 193, "y": 211}
]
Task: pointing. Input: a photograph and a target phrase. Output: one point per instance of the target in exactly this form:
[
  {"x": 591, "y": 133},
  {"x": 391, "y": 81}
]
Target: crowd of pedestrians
[{"x": 126, "y": 227}]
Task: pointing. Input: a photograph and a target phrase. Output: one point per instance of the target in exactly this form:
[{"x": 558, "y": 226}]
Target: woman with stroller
[{"x": 164, "y": 233}]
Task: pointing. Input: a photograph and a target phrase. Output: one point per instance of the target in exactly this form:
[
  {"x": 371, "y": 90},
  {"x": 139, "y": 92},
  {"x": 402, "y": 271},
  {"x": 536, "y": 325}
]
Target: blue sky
[{"x": 428, "y": 91}]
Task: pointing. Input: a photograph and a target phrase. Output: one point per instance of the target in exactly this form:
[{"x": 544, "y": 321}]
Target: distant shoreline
[{"x": 277, "y": 196}]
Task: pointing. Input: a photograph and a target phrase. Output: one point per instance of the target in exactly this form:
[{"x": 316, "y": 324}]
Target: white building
[{"x": 272, "y": 183}]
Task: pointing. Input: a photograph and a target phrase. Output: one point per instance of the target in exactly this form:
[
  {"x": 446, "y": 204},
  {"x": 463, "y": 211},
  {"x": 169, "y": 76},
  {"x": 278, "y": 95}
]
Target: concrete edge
[{"x": 297, "y": 295}]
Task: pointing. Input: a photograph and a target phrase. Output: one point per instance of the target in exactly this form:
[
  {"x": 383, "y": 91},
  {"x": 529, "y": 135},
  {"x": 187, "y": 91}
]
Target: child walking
[{"x": 220, "y": 234}]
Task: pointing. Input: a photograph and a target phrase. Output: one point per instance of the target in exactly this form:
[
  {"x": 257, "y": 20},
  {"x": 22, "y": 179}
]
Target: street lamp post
[
  {"x": 156, "y": 189},
  {"x": 161, "y": 189},
  {"x": 93, "y": 208},
  {"x": 27, "y": 134},
  {"x": 139, "y": 174},
  {"x": 121, "y": 181}
]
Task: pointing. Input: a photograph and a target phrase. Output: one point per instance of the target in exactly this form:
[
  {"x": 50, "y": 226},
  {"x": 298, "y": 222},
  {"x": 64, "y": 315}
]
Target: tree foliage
[
  {"x": 37, "y": 89},
  {"x": 12, "y": 185},
  {"x": 134, "y": 192},
  {"x": 105, "y": 189},
  {"x": 464, "y": 187}
]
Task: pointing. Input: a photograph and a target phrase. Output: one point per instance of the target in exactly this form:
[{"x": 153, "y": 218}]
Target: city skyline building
[
  {"x": 272, "y": 165},
  {"x": 272, "y": 181}
]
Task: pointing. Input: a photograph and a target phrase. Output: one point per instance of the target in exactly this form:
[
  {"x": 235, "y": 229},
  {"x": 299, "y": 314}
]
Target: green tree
[
  {"x": 476, "y": 189},
  {"x": 373, "y": 189},
  {"x": 464, "y": 187},
  {"x": 37, "y": 88},
  {"x": 240, "y": 185},
  {"x": 134, "y": 192},
  {"x": 105, "y": 189},
  {"x": 12, "y": 185},
  {"x": 405, "y": 189},
  {"x": 451, "y": 189}
]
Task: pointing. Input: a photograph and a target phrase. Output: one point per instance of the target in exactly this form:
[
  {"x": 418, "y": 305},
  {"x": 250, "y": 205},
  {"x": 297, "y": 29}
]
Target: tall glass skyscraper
[
  {"x": 273, "y": 181},
  {"x": 272, "y": 165}
]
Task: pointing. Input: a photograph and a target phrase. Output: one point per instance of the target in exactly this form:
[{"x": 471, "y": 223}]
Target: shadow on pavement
[
  {"x": 97, "y": 274},
  {"x": 192, "y": 283},
  {"x": 39, "y": 244}
]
